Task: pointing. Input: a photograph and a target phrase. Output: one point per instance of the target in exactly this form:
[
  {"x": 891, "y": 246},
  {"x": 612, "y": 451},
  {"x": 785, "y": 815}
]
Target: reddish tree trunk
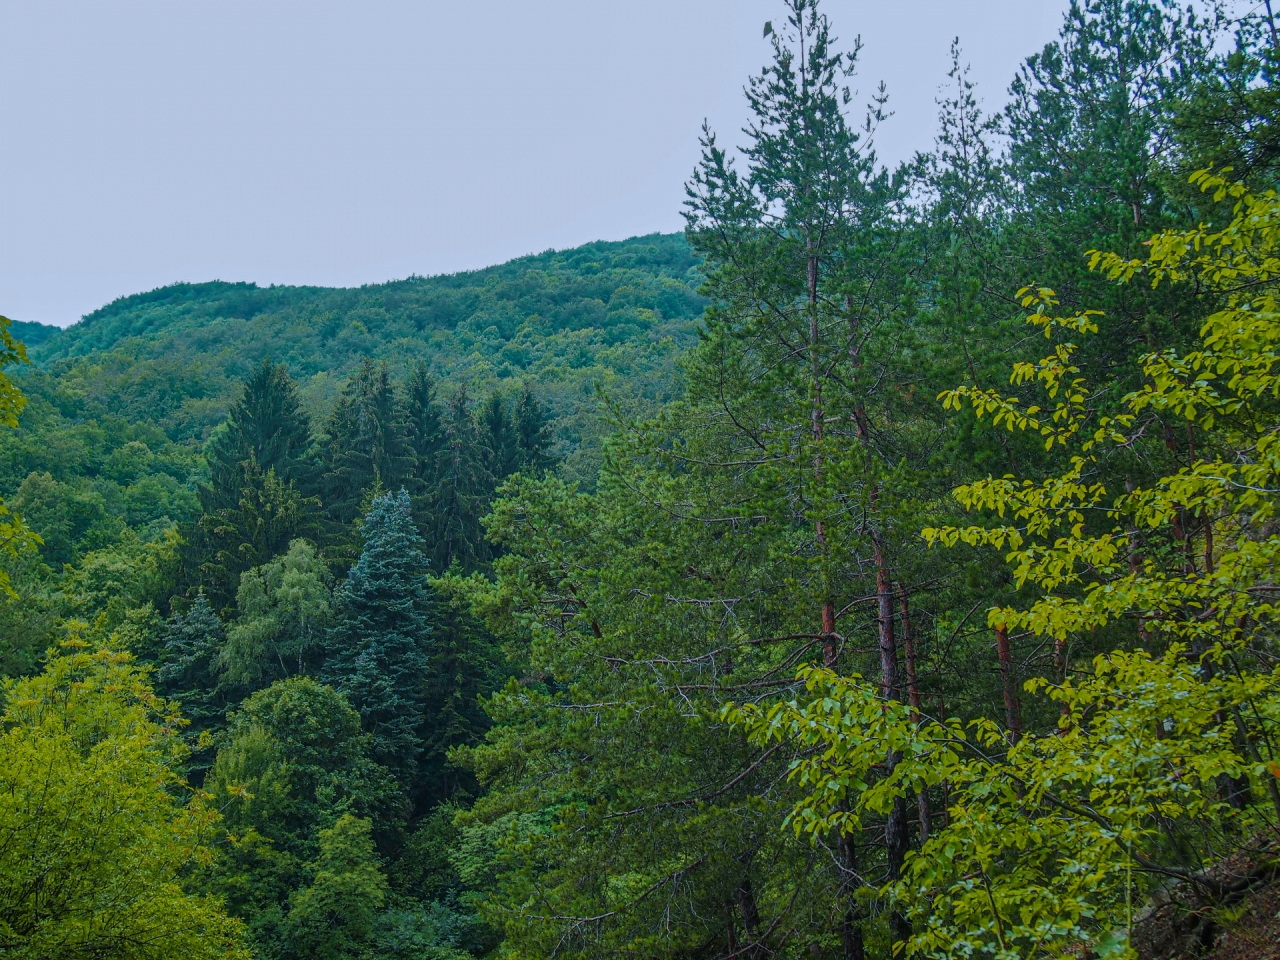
[
  {"x": 1012, "y": 708},
  {"x": 890, "y": 685}
]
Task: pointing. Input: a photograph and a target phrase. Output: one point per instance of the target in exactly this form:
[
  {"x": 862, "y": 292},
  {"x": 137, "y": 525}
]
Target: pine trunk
[
  {"x": 1008, "y": 681},
  {"x": 895, "y": 831},
  {"x": 913, "y": 697}
]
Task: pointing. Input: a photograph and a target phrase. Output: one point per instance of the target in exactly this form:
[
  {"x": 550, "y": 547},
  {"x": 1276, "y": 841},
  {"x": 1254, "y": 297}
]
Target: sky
[{"x": 342, "y": 143}]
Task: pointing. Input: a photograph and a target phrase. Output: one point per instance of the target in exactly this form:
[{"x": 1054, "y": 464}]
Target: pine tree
[
  {"x": 377, "y": 648},
  {"x": 267, "y": 515},
  {"x": 467, "y": 665},
  {"x": 366, "y": 442}
]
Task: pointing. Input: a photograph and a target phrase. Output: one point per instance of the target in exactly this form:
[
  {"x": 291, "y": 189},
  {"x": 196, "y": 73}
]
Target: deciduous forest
[{"x": 886, "y": 566}]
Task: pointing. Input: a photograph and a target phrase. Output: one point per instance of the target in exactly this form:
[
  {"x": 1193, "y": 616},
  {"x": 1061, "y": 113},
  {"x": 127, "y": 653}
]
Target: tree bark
[
  {"x": 1008, "y": 681},
  {"x": 895, "y": 831},
  {"x": 850, "y": 929},
  {"x": 913, "y": 696}
]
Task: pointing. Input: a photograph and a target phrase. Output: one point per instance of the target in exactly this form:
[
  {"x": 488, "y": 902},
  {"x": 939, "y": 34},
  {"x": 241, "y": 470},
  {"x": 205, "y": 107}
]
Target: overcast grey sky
[{"x": 341, "y": 143}]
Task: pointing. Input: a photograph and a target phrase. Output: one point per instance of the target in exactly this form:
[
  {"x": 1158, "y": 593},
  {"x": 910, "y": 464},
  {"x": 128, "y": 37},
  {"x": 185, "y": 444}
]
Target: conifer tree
[
  {"x": 466, "y": 666},
  {"x": 378, "y": 646},
  {"x": 267, "y": 425},
  {"x": 267, "y": 515},
  {"x": 366, "y": 442},
  {"x": 1090, "y": 125},
  {"x": 533, "y": 435},
  {"x": 462, "y": 492},
  {"x": 498, "y": 438},
  {"x": 188, "y": 671},
  {"x": 423, "y": 427}
]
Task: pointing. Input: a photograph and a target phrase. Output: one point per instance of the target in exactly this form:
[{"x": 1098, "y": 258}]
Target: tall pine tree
[
  {"x": 188, "y": 673},
  {"x": 424, "y": 431},
  {"x": 498, "y": 436}
]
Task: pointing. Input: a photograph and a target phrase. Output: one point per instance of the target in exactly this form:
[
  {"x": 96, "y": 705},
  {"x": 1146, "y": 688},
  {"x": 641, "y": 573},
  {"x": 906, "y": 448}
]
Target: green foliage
[
  {"x": 458, "y": 498},
  {"x": 15, "y": 535},
  {"x": 378, "y": 645},
  {"x": 612, "y": 313},
  {"x": 96, "y": 827},
  {"x": 284, "y": 610},
  {"x": 1158, "y": 766},
  {"x": 366, "y": 443},
  {"x": 295, "y": 759},
  {"x": 333, "y": 916},
  {"x": 192, "y": 642},
  {"x": 267, "y": 516},
  {"x": 266, "y": 426},
  {"x": 626, "y": 715}
]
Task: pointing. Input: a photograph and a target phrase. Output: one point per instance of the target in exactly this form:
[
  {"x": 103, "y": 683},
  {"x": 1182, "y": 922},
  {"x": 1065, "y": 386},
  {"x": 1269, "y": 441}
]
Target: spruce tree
[
  {"x": 188, "y": 672},
  {"x": 462, "y": 491},
  {"x": 377, "y": 648},
  {"x": 261, "y": 463},
  {"x": 499, "y": 439},
  {"x": 267, "y": 424},
  {"x": 533, "y": 435},
  {"x": 424, "y": 432},
  {"x": 467, "y": 665},
  {"x": 366, "y": 444},
  {"x": 265, "y": 517}
]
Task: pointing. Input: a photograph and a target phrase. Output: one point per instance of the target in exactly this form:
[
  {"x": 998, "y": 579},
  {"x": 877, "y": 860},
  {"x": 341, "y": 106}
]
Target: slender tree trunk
[
  {"x": 828, "y": 613},
  {"x": 850, "y": 929},
  {"x": 890, "y": 685},
  {"x": 913, "y": 696},
  {"x": 1008, "y": 681},
  {"x": 895, "y": 831}
]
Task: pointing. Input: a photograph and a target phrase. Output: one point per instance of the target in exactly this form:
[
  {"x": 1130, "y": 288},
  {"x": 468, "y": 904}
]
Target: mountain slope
[{"x": 613, "y": 314}]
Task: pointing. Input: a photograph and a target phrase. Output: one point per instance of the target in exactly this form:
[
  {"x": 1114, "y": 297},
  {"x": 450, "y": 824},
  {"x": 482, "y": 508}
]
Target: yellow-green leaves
[
  {"x": 853, "y": 732},
  {"x": 96, "y": 828},
  {"x": 1056, "y": 374}
]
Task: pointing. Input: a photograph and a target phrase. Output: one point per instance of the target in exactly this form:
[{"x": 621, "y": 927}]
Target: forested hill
[
  {"x": 612, "y": 313},
  {"x": 926, "y": 609}
]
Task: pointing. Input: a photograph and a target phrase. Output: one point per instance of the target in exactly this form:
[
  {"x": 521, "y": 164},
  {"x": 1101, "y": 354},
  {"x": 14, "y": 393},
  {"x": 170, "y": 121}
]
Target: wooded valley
[{"x": 886, "y": 566}]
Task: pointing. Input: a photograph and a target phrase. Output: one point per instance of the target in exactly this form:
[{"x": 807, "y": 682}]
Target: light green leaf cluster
[
  {"x": 1044, "y": 836},
  {"x": 96, "y": 827}
]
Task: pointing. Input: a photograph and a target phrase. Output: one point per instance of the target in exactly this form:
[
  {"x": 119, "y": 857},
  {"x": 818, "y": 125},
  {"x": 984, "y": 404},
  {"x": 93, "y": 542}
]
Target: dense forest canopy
[{"x": 886, "y": 566}]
